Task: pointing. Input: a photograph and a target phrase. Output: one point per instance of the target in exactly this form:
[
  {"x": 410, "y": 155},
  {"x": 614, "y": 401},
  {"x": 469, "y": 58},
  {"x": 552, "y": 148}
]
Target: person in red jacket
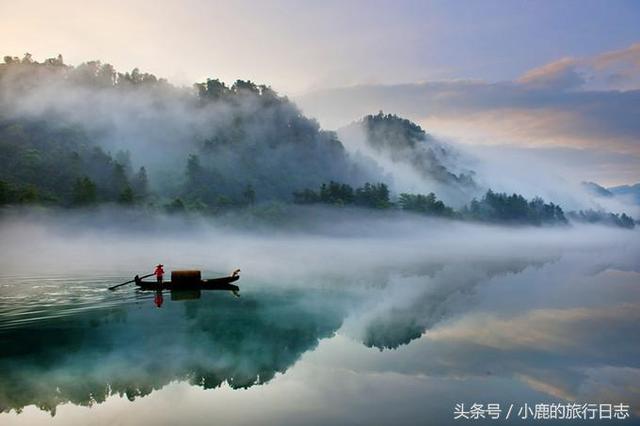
[{"x": 159, "y": 272}]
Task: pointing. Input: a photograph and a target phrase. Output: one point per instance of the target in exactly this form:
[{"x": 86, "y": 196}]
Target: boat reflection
[{"x": 159, "y": 299}]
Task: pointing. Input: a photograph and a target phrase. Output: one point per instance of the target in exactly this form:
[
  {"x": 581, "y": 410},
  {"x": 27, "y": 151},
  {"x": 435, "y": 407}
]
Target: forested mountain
[
  {"x": 86, "y": 132},
  {"x": 41, "y": 161},
  {"x": 405, "y": 141},
  {"x": 85, "y": 135},
  {"x": 397, "y": 142}
]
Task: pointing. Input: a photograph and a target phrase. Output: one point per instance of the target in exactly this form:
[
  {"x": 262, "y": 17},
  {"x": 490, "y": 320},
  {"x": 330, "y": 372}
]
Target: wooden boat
[{"x": 190, "y": 280}]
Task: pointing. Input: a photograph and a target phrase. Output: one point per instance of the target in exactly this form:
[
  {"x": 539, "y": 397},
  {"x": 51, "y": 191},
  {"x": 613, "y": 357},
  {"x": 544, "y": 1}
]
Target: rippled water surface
[{"x": 32, "y": 299}]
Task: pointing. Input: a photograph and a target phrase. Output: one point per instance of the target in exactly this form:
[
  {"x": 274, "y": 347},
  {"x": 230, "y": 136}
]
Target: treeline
[
  {"x": 599, "y": 216},
  {"x": 371, "y": 195},
  {"x": 514, "y": 208},
  {"x": 92, "y": 73},
  {"x": 493, "y": 207}
]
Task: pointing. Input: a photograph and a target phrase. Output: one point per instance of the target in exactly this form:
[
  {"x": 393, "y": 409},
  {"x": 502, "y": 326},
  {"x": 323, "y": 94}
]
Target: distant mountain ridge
[
  {"x": 628, "y": 192},
  {"x": 632, "y": 191},
  {"x": 595, "y": 189}
]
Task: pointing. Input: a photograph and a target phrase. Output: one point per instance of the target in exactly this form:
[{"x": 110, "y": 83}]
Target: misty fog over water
[{"x": 362, "y": 318}]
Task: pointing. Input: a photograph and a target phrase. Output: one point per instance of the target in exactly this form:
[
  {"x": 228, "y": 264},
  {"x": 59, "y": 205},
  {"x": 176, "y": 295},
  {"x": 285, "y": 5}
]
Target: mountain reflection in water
[
  {"x": 133, "y": 349},
  {"x": 389, "y": 344}
]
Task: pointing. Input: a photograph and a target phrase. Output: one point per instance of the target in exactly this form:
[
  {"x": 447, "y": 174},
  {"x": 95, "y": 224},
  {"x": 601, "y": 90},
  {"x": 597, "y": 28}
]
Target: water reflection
[
  {"x": 413, "y": 303},
  {"x": 545, "y": 327},
  {"x": 159, "y": 298},
  {"x": 133, "y": 349}
]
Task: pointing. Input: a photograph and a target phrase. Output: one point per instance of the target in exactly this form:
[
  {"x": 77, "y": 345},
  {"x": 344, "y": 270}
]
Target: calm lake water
[{"x": 396, "y": 344}]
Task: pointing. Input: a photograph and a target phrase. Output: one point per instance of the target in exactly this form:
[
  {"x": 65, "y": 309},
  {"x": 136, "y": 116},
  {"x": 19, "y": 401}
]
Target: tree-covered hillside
[
  {"x": 87, "y": 135},
  {"x": 42, "y": 162},
  {"x": 91, "y": 133},
  {"x": 403, "y": 141}
]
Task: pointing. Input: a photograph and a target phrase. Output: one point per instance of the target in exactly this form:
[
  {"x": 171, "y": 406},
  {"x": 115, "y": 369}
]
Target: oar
[{"x": 128, "y": 282}]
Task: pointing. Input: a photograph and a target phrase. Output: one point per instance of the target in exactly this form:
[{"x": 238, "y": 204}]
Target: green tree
[
  {"x": 336, "y": 193},
  {"x": 514, "y": 208},
  {"x": 176, "y": 206},
  {"x": 249, "y": 194},
  {"x": 126, "y": 196},
  {"x": 373, "y": 196},
  {"x": 119, "y": 181},
  {"x": 124, "y": 158},
  {"x": 427, "y": 204},
  {"x": 84, "y": 192},
  {"x": 140, "y": 183},
  {"x": 5, "y": 193},
  {"x": 242, "y": 87},
  {"x": 195, "y": 172},
  {"x": 306, "y": 196},
  {"x": 28, "y": 194},
  {"x": 213, "y": 89}
]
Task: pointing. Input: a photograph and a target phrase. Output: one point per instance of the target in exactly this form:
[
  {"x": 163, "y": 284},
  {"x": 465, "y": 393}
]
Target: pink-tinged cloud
[
  {"x": 559, "y": 75},
  {"x": 614, "y": 70}
]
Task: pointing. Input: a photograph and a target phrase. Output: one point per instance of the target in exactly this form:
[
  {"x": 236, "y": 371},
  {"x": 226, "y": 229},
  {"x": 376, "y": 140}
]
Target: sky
[
  {"x": 530, "y": 74},
  {"x": 299, "y": 46}
]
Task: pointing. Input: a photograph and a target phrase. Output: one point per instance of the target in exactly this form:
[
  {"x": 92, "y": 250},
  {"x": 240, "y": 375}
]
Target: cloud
[
  {"x": 561, "y": 74},
  {"x": 619, "y": 68},
  {"x": 553, "y": 330},
  {"x": 585, "y": 103},
  {"x": 613, "y": 70},
  {"x": 602, "y": 118}
]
